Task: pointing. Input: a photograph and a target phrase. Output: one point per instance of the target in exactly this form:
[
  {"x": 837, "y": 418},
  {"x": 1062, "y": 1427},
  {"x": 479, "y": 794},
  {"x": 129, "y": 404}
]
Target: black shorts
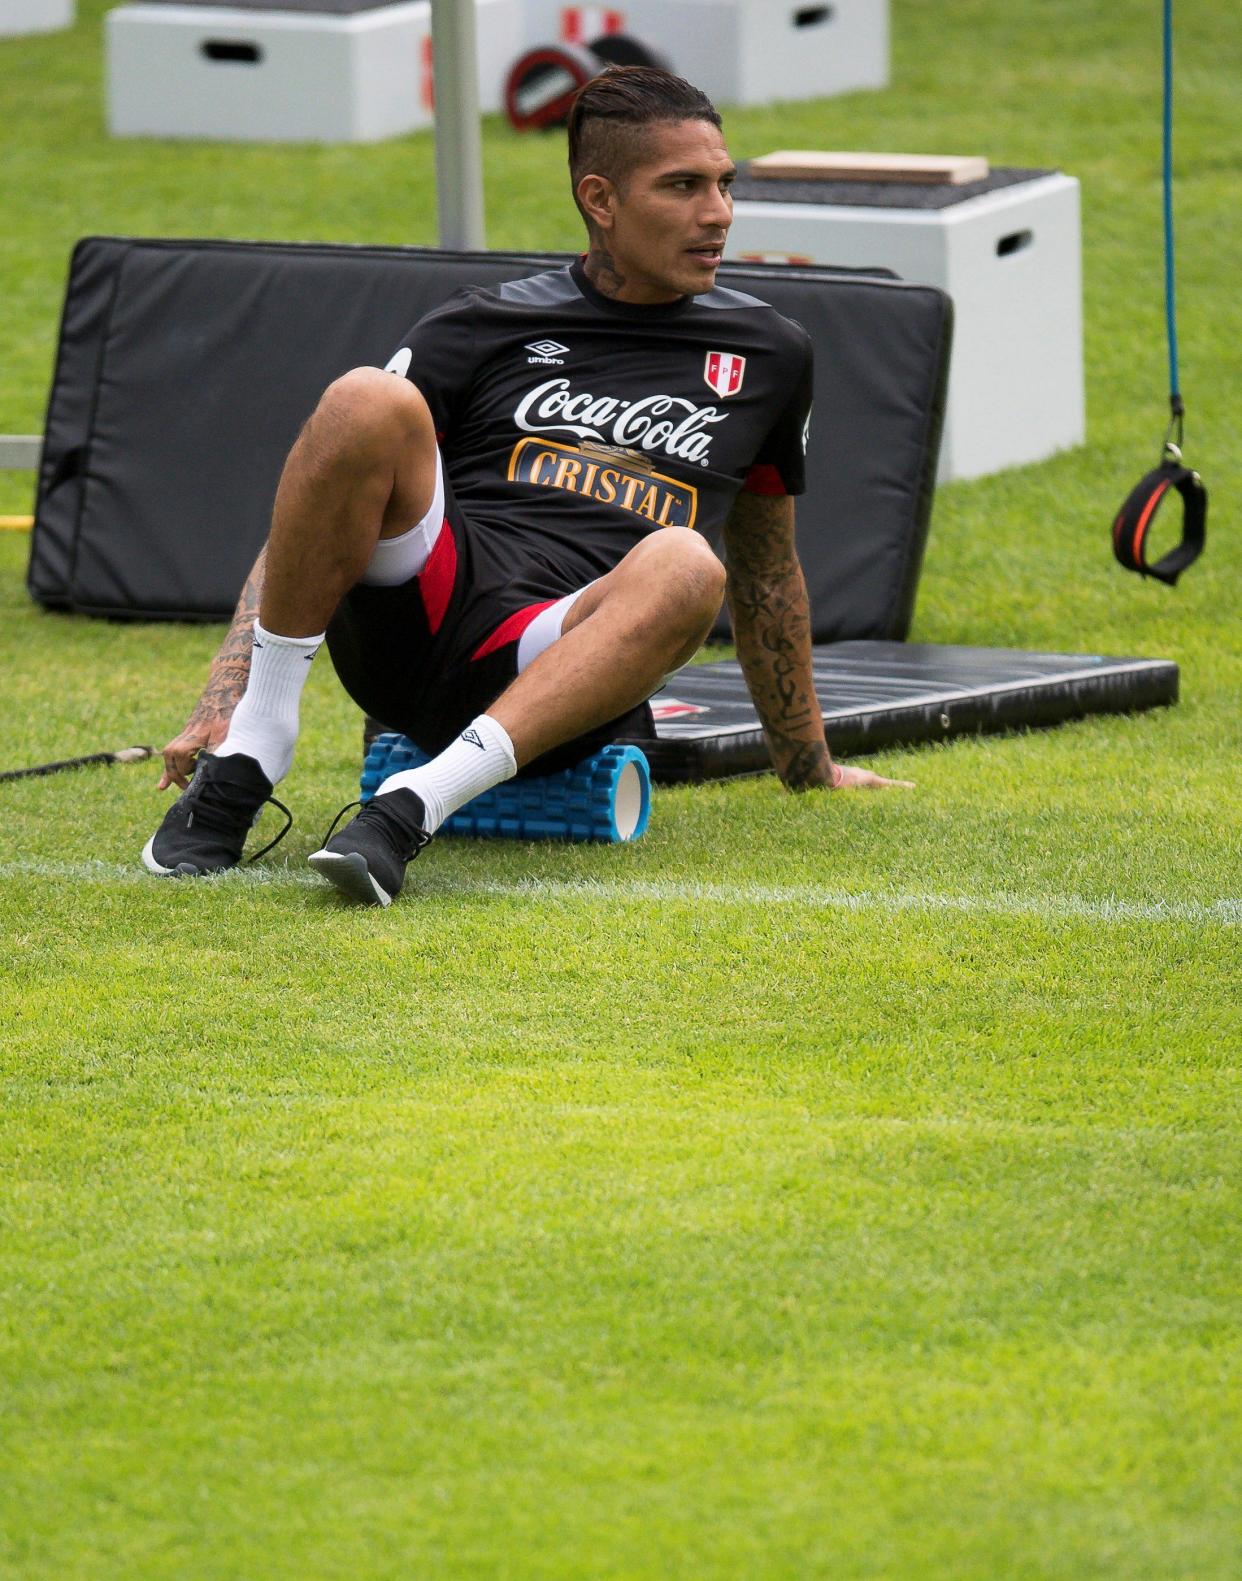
[{"x": 428, "y": 656}]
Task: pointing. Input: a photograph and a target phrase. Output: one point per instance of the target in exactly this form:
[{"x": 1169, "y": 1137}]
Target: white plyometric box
[
  {"x": 34, "y": 16},
  {"x": 1011, "y": 260},
  {"x": 740, "y": 51},
  {"x": 335, "y": 71}
]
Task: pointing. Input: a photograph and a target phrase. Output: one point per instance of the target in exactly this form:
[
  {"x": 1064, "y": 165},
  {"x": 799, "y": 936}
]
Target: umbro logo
[
  {"x": 547, "y": 351},
  {"x": 474, "y": 738},
  {"x": 255, "y": 643}
]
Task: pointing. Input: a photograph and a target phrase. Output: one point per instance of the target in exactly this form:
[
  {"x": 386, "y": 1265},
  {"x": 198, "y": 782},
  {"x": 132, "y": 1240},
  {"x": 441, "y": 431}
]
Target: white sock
[
  {"x": 482, "y": 756},
  {"x": 265, "y": 723}
]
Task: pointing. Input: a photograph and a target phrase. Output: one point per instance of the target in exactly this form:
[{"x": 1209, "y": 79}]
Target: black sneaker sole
[{"x": 349, "y": 873}]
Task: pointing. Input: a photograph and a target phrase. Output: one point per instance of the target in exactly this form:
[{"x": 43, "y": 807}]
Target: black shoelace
[
  {"x": 272, "y": 844},
  {"x": 417, "y": 838},
  {"x": 348, "y": 807}
]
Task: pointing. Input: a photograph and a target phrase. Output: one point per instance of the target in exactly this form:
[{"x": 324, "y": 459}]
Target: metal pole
[{"x": 459, "y": 148}]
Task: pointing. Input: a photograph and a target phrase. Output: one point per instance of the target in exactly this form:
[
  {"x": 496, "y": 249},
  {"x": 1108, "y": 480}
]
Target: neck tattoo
[{"x": 602, "y": 272}]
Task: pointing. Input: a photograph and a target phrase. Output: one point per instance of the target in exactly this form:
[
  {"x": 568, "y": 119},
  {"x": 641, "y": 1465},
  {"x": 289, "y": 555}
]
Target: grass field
[{"x": 824, "y": 1187}]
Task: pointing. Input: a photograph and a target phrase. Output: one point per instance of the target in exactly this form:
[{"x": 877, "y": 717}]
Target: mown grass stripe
[{"x": 1226, "y": 911}]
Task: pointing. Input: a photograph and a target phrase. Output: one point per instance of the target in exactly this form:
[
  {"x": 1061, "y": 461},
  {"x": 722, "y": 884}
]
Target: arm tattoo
[
  {"x": 230, "y": 669},
  {"x": 772, "y": 629},
  {"x": 602, "y": 271}
]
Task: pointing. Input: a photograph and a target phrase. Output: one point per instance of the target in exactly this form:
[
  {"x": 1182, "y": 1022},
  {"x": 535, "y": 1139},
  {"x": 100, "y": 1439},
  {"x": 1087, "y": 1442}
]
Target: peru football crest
[{"x": 722, "y": 372}]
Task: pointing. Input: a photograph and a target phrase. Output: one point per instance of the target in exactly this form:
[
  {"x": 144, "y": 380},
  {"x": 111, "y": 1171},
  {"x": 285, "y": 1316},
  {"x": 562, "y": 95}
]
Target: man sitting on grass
[{"x": 495, "y": 534}]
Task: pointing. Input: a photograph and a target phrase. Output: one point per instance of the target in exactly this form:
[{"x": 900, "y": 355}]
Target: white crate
[
  {"x": 740, "y": 51},
  {"x": 1011, "y": 261},
  {"x": 230, "y": 73},
  {"x": 34, "y": 16}
]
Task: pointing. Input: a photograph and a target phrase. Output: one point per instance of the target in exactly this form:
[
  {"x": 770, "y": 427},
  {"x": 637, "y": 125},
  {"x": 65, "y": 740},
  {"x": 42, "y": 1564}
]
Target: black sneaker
[
  {"x": 206, "y": 827},
  {"x": 368, "y": 859}
]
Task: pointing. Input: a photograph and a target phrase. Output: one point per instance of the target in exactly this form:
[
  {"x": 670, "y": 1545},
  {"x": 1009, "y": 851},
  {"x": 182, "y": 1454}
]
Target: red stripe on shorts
[
  {"x": 510, "y": 630},
  {"x": 764, "y": 479},
  {"x": 435, "y": 580}
]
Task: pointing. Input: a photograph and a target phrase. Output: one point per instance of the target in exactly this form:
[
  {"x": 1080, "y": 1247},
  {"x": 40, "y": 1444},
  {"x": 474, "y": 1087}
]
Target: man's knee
[
  {"x": 368, "y": 416},
  {"x": 688, "y": 568}
]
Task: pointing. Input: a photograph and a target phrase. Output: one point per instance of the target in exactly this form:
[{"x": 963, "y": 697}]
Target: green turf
[{"x": 834, "y": 1187}]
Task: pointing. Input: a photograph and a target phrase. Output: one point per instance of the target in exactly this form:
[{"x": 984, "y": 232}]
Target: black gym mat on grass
[
  {"x": 880, "y": 694},
  {"x": 186, "y": 368}
]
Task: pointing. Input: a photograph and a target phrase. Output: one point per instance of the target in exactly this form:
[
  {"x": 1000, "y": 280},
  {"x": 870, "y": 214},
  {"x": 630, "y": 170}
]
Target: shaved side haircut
[{"x": 611, "y": 115}]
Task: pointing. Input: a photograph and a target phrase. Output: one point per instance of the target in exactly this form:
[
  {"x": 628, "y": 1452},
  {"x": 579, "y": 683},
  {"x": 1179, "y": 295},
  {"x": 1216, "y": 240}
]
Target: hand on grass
[
  {"x": 850, "y": 778},
  {"x": 199, "y": 735}
]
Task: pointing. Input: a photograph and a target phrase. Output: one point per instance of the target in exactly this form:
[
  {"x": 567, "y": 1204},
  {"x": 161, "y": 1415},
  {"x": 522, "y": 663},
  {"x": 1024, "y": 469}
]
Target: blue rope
[{"x": 1170, "y": 307}]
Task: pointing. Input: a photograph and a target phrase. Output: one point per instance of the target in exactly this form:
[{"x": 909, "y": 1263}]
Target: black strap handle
[{"x": 1130, "y": 530}]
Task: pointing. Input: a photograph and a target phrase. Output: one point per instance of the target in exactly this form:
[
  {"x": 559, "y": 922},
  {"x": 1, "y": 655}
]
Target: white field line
[{"x": 1226, "y": 912}]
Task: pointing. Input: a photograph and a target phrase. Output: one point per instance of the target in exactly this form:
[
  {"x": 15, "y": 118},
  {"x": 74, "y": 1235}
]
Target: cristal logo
[{"x": 667, "y": 424}]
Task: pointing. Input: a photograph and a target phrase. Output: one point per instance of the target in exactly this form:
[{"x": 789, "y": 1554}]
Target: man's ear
[{"x": 597, "y": 198}]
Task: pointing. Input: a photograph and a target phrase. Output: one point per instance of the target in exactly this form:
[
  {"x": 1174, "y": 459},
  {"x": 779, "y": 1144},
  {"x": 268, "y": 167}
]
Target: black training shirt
[{"x": 573, "y": 425}]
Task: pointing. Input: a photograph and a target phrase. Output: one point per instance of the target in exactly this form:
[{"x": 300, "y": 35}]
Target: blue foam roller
[{"x": 607, "y": 797}]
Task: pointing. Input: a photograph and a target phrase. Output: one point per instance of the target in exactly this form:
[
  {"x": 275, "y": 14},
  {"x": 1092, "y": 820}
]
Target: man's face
[{"x": 666, "y": 223}]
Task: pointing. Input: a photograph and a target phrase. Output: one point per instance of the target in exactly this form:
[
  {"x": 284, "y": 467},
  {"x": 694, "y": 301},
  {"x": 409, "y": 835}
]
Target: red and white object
[
  {"x": 723, "y": 372},
  {"x": 231, "y": 73},
  {"x": 542, "y": 82},
  {"x": 674, "y": 708},
  {"x": 739, "y": 51},
  {"x": 18, "y": 17},
  {"x": 582, "y": 24}
]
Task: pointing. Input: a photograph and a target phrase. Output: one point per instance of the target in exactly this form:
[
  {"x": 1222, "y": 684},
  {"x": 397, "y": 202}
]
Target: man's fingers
[
  {"x": 178, "y": 762},
  {"x": 864, "y": 779}
]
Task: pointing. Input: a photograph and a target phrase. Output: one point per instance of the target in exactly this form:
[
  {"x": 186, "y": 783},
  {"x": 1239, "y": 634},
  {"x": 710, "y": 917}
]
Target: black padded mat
[
  {"x": 877, "y": 194},
  {"x": 880, "y": 694},
  {"x": 184, "y": 372}
]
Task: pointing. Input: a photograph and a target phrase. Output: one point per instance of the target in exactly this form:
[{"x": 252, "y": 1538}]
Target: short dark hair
[{"x": 610, "y": 115}]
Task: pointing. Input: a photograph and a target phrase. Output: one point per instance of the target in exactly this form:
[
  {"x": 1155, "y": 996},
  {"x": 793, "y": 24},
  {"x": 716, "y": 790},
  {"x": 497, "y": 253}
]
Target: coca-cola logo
[{"x": 664, "y": 424}]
